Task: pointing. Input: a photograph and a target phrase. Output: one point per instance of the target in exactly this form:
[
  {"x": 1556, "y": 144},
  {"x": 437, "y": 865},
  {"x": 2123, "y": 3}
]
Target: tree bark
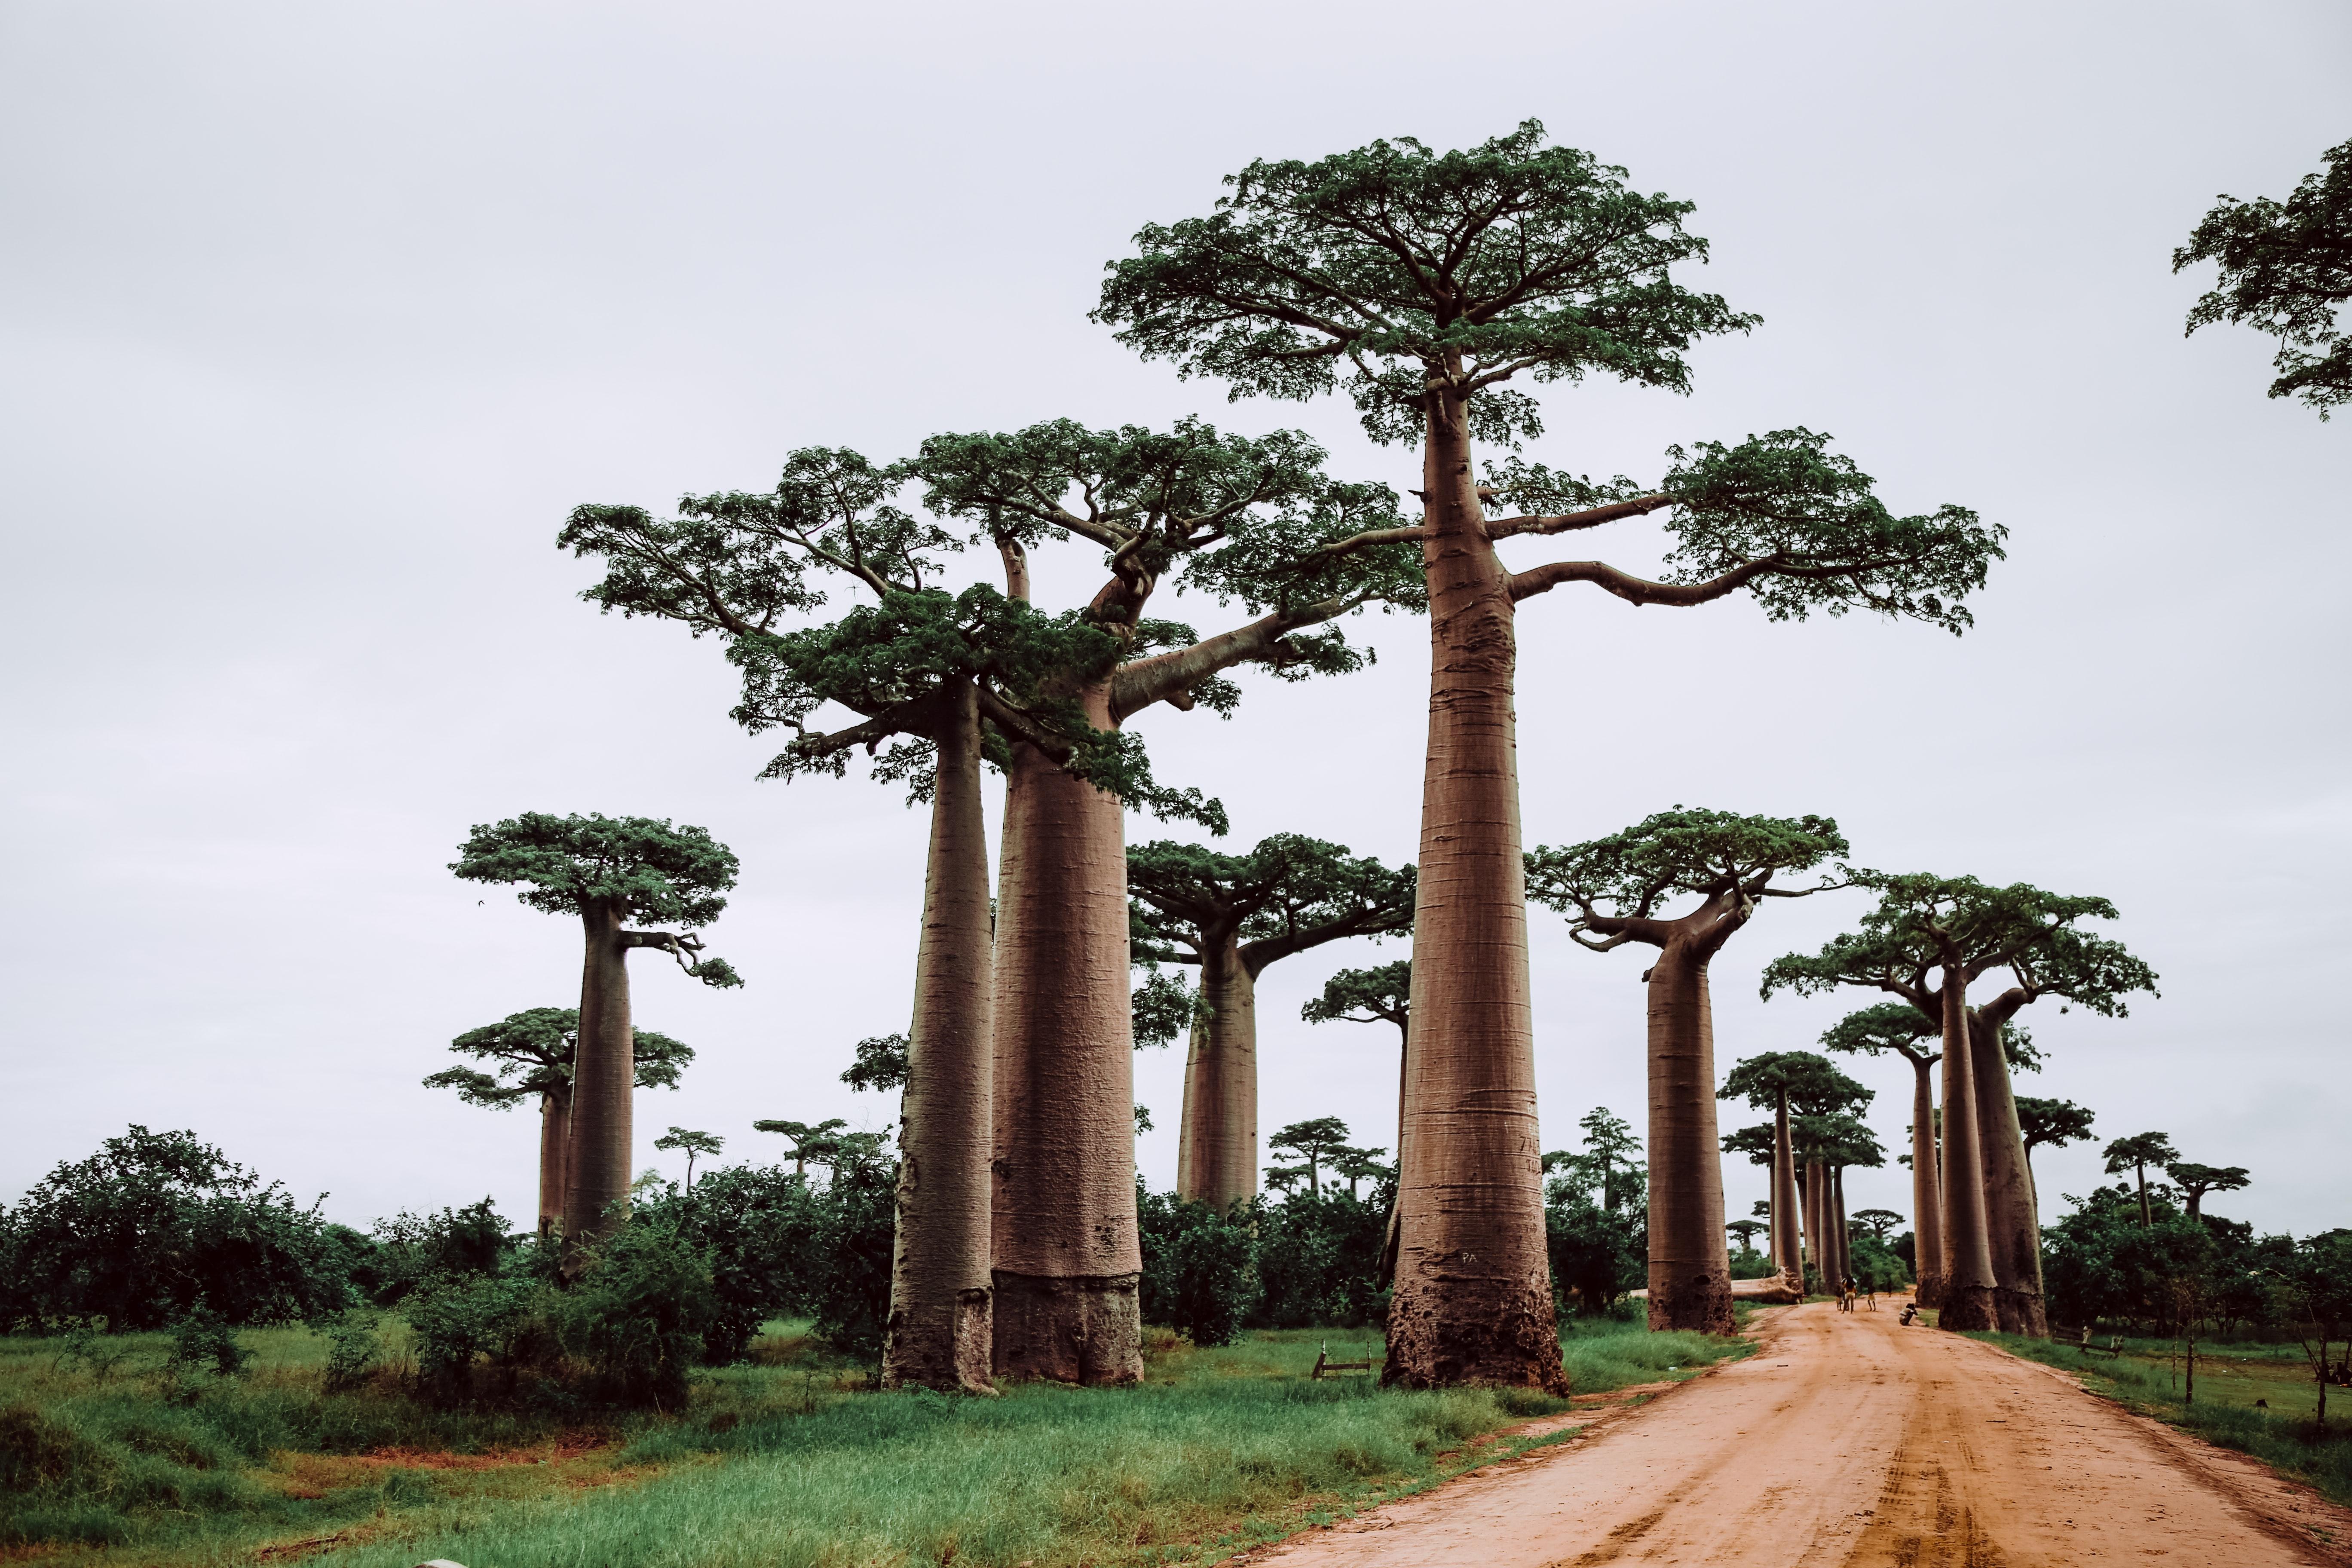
[
  {"x": 1067, "y": 1253},
  {"x": 1473, "y": 1302},
  {"x": 1968, "y": 1279},
  {"x": 1216, "y": 1152},
  {"x": 555, "y": 1154},
  {"x": 604, "y": 1075},
  {"x": 1842, "y": 1237},
  {"x": 1816, "y": 1233},
  {"x": 1787, "y": 1242},
  {"x": 1926, "y": 1187},
  {"x": 940, "y": 1334},
  {"x": 1690, "y": 1266},
  {"x": 2013, "y": 1235}
]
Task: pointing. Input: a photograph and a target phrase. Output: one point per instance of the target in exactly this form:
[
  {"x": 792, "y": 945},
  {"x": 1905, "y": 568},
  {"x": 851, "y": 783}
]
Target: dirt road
[{"x": 1847, "y": 1440}]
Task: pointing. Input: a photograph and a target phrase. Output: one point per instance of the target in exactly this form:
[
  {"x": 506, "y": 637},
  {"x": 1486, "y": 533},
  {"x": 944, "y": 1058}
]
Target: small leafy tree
[
  {"x": 1315, "y": 1143},
  {"x": 533, "y": 1053},
  {"x": 2136, "y": 1155},
  {"x": 2052, "y": 1122},
  {"x": 606, "y": 872},
  {"x": 693, "y": 1144},
  {"x": 810, "y": 1139},
  {"x": 1745, "y": 1231},
  {"x": 2314, "y": 1287},
  {"x": 1199, "y": 1267},
  {"x": 2286, "y": 270},
  {"x": 1880, "y": 1223},
  {"x": 2193, "y": 1181}
]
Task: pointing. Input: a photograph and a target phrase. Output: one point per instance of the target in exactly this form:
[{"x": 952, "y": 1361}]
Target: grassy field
[
  {"x": 2231, "y": 1377},
  {"x": 786, "y": 1461}
]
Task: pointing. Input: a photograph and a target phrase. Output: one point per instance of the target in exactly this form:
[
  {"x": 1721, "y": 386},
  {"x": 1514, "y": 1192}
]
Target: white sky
[{"x": 315, "y": 320}]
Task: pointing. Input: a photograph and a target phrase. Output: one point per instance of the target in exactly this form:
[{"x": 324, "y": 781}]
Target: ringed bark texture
[
  {"x": 940, "y": 1330},
  {"x": 1216, "y": 1151},
  {"x": 1787, "y": 1242},
  {"x": 1841, "y": 1238},
  {"x": 1817, "y": 1188},
  {"x": 1066, "y": 1252},
  {"x": 1473, "y": 1302},
  {"x": 1968, "y": 1279},
  {"x": 554, "y": 1154},
  {"x": 604, "y": 1075},
  {"x": 1927, "y": 1186},
  {"x": 1690, "y": 1264},
  {"x": 2012, "y": 1233}
]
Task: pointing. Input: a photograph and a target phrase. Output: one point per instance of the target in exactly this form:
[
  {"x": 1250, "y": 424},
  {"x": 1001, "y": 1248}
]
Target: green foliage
[
  {"x": 1288, "y": 894},
  {"x": 761, "y": 1230},
  {"x": 471, "y": 1334},
  {"x": 353, "y": 1348},
  {"x": 1397, "y": 264},
  {"x": 1876, "y": 1266},
  {"x": 407, "y": 1250},
  {"x": 851, "y": 1294},
  {"x": 2194, "y": 1181},
  {"x": 1597, "y": 1254},
  {"x": 533, "y": 1052},
  {"x": 153, "y": 1225},
  {"x": 1813, "y": 1087},
  {"x": 2052, "y": 1122},
  {"x": 1923, "y": 919},
  {"x": 1163, "y": 1007},
  {"x": 1383, "y": 995},
  {"x": 2286, "y": 270},
  {"x": 1314, "y": 1142},
  {"x": 1880, "y": 1223},
  {"x": 881, "y": 1064},
  {"x": 204, "y": 1341},
  {"x": 693, "y": 1144},
  {"x": 642, "y": 1317},
  {"x": 1682, "y": 851},
  {"x": 1200, "y": 1267},
  {"x": 638, "y": 866},
  {"x": 817, "y": 1142}
]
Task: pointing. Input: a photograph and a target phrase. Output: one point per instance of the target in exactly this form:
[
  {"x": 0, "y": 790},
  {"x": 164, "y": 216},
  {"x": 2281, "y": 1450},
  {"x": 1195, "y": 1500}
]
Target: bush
[
  {"x": 638, "y": 1316},
  {"x": 760, "y": 1228},
  {"x": 407, "y": 1250},
  {"x": 852, "y": 1293},
  {"x": 464, "y": 1326},
  {"x": 1876, "y": 1266},
  {"x": 1319, "y": 1261},
  {"x": 1200, "y": 1269},
  {"x": 1597, "y": 1254},
  {"x": 154, "y": 1223},
  {"x": 203, "y": 1339},
  {"x": 352, "y": 1348}
]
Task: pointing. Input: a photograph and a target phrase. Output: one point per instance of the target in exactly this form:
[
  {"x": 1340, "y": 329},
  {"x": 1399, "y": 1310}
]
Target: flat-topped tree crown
[
  {"x": 533, "y": 1052},
  {"x": 1290, "y": 893},
  {"x": 1896, "y": 1026},
  {"x": 1811, "y": 1084},
  {"x": 1392, "y": 270},
  {"x": 2286, "y": 269},
  {"x": 2194, "y": 1181},
  {"x": 626, "y": 868},
  {"x": 2054, "y": 1123},
  {"x": 1614, "y": 888},
  {"x": 1377, "y": 995}
]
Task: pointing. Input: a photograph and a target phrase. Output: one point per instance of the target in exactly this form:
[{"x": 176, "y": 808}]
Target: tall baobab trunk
[
  {"x": 1840, "y": 1236},
  {"x": 1216, "y": 1149},
  {"x": 1067, "y": 1256},
  {"x": 1473, "y": 1300},
  {"x": 1788, "y": 1244},
  {"x": 604, "y": 1074},
  {"x": 2013, "y": 1235},
  {"x": 1968, "y": 1279},
  {"x": 1927, "y": 1186},
  {"x": 1817, "y": 1188},
  {"x": 555, "y": 1154},
  {"x": 1690, "y": 1267},
  {"x": 939, "y": 1284}
]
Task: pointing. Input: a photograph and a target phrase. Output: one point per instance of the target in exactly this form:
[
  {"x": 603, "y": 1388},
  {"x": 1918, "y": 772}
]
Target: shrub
[
  {"x": 1598, "y": 1254},
  {"x": 1318, "y": 1260},
  {"x": 1200, "y": 1269},
  {"x": 153, "y": 1223},
  {"x": 851, "y": 1295},
  {"x": 760, "y": 1228},
  {"x": 352, "y": 1348},
  {"x": 463, "y": 1325},
  {"x": 204, "y": 1338},
  {"x": 407, "y": 1250},
  {"x": 638, "y": 1316}
]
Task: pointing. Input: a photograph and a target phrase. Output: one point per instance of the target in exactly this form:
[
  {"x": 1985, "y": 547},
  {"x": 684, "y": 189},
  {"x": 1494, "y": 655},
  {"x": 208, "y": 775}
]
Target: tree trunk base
[
  {"x": 1512, "y": 1342},
  {"x": 1967, "y": 1306},
  {"x": 956, "y": 1361},
  {"x": 1084, "y": 1329},
  {"x": 1929, "y": 1292},
  {"x": 2020, "y": 1312},
  {"x": 1687, "y": 1296}
]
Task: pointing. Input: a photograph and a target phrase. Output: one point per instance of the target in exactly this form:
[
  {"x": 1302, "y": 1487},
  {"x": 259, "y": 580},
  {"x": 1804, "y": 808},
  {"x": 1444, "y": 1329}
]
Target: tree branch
[
  {"x": 1637, "y": 590},
  {"x": 1512, "y": 526}
]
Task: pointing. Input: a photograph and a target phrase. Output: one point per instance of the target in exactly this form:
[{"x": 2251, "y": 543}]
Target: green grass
[
  {"x": 787, "y": 1461},
  {"x": 2230, "y": 1378}
]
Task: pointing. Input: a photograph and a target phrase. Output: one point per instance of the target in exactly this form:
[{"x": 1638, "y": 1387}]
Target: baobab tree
[
  {"x": 1828, "y": 1144},
  {"x": 2055, "y": 1123},
  {"x": 693, "y": 1144},
  {"x": 1379, "y": 996},
  {"x": 1354, "y": 1165},
  {"x": 1230, "y": 916},
  {"x": 810, "y": 1139},
  {"x": 2194, "y": 1181},
  {"x": 1613, "y": 889},
  {"x": 534, "y": 1052},
  {"x": 1927, "y": 941},
  {"x": 1315, "y": 1142},
  {"x": 880, "y": 1065},
  {"x": 2136, "y": 1155},
  {"x": 606, "y": 872},
  {"x": 1880, "y": 1223},
  {"x": 1430, "y": 280},
  {"x": 1745, "y": 1231},
  {"x": 1788, "y": 1084},
  {"x": 1902, "y": 1029},
  {"x": 2286, "y": 270}
]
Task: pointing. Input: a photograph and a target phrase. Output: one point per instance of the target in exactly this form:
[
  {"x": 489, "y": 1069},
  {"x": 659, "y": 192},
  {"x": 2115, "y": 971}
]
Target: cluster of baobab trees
[{"x": 1431, "y": 287}]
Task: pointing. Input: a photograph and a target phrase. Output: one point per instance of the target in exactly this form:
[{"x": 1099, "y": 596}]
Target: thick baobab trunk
[
  {"x": 604, "y": 1074},
  {"x": 940, "y": 1287},
  {"x": 1840, "y": 1236},
  {"x": 1816, "y": 1231},
  {"x": 2014, "y": 1238},
  {"x": 1216, "y": 1152},
  {"x": 1788, "y": 1241},
  {"x": 554, "y": 1152},
  {"x": 1927, "y": 1188},
  {"x": 1690, "y": 1267},
  {"x": 1473, "y": 1302},
  {"x": 1067, "y": 1253},
  {"x": 1968, "y": 1279}
]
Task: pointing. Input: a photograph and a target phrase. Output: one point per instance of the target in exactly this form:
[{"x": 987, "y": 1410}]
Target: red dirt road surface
[{"x": 1847, "y": 1440}]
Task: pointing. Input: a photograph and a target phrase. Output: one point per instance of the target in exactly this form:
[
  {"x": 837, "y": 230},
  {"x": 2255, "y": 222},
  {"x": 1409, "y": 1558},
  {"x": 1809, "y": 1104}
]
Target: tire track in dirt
[{"x": 1847, "y": 1440}]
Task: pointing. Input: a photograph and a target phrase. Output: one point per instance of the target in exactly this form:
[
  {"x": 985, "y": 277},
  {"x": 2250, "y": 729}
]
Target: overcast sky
[{"x": 315, "y": 320}]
